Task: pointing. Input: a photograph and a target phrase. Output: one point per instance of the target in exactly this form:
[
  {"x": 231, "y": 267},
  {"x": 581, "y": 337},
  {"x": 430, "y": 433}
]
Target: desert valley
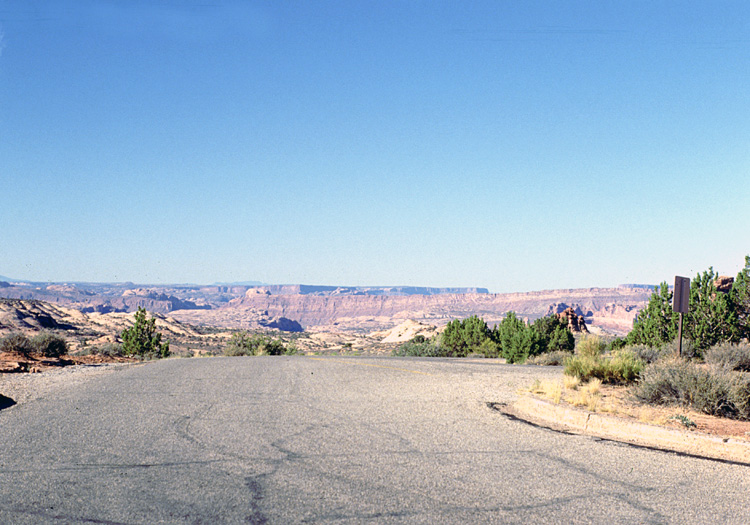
[{"x": 198, "y": 319}]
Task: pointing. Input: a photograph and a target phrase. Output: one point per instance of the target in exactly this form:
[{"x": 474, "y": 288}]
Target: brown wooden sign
[{"x": 681, "y": 299}]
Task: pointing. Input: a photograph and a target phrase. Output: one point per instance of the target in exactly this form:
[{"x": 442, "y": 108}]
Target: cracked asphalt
[{"x": 332, "y": 440}]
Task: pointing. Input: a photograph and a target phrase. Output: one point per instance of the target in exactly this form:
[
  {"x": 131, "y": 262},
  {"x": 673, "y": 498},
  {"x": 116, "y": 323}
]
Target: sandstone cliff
[{"x": 367, "y": 313}]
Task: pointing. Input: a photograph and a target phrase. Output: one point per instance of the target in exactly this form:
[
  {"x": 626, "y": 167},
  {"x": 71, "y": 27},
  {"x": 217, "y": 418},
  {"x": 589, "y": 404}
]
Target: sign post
[{"x": 681, "y": 304}]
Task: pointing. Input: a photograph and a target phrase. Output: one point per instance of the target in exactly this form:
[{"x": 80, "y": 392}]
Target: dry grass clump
[
  {"x": 551, "y": 390},
  {"x": 571, "y": 382},
  {"x": 588, "y": 395}
]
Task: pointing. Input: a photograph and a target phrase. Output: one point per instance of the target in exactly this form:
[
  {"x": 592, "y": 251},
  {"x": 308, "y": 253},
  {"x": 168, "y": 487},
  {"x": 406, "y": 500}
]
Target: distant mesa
[
  {"x": 307, "y": 289},
  {"x": 240, "y": 283},
  {"x": 350, "y": 309}
]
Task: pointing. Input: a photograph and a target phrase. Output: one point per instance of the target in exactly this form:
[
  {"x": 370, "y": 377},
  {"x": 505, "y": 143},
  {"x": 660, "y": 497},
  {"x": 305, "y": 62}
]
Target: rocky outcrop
[
  {"x": 32, "y": 315},
  {"x": 724, "y": 284},
  {"x": 615, "y": 318},
  {"x": 283, "y": 324},
  {"x": 559, "y": 308},
  {"x": 406, "y": 331},
  {"x": 576, "y": 323}
]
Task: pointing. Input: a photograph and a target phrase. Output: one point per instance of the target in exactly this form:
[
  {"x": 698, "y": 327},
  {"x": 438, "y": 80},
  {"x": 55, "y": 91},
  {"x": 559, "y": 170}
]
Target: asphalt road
[{"x": 332, "y": 440}]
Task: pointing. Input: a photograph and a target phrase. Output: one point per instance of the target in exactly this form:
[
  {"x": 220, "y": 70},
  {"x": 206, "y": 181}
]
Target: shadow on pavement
[{"x": 6, "y": 402}]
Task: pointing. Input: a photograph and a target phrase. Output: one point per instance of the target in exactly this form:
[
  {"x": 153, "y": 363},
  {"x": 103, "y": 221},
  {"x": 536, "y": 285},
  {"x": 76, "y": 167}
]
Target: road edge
[{"x": 561, "y": 417}]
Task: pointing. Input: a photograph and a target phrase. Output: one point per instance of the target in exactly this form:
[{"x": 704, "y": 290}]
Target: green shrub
[
  {"x": 292, "y": 349},
  {"x": 621, "y": 368},
  {"x": 729, "y": 356},
  {"x": 739, "y": 395},
  {"x": 18, "y": 343},
  {"x": 50, "y": 345},
  {"x": 617, "y": 343},
  {"x": 517, "y": 340},
  {"x": 142, "y": 339},
  {"x": 489, "y": 348},
  {"x": 647, "y": 354},
  {"x": 554, "y": 358},
  {"x": 108, "y": 350},
  {"x": 583, "y": 367},
  {"x": 463, "y": 337},
  {"x": 425, "y": 348},
  {"x": 244, "y": 343},
  {"x": 554, "y": 333}
]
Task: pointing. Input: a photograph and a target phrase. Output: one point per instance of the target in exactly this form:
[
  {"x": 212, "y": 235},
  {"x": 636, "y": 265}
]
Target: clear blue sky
[{"x": 512, "y": 145}]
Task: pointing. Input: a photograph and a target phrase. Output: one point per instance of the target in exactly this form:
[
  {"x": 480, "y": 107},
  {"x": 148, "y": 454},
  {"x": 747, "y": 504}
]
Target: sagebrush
[{"x": 713, "y": 390}]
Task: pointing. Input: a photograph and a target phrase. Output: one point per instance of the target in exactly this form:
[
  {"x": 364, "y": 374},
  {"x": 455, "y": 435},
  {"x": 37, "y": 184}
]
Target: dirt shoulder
[
  {"x": 617, "y": 401},
  {"x": 25, "y": 387},
  {"x": 13, "y": 362}
]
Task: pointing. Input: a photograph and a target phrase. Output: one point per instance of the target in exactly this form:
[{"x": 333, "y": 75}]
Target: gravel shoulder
[{"x": 26, "y": 387}]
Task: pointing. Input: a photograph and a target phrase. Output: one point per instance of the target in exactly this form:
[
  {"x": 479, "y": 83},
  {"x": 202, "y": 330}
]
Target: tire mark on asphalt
[{"x": 255, "y": 486}]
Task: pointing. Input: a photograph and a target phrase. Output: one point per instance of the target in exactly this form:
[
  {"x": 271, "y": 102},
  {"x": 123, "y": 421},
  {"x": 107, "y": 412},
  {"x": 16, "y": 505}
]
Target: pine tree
[
  {"x": 740, "y": 296},
  {"x": 712, "y": 318},
  {"x": 466, "y": 336},
  {"x": 657, "y": 323},
  {"x": 142, "y": 339}
]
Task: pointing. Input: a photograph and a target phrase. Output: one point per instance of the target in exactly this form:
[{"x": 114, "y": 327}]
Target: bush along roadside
[
  {"x": 244, "y": 343},
  {"x": 622, "y": 366},
  {"x": 719, "y": 387},
  {"x": 142, "y": 339},
  {"x": 513, "y": 339},
  {"x": 44, "y": 344}
]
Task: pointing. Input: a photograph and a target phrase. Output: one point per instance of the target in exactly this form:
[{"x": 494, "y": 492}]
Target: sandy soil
[{"x": 617, "y": 401}]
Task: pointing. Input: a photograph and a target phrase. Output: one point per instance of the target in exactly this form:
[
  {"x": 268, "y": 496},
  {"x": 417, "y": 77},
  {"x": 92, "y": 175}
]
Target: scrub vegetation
[
  {"x": 45, "y": 344},
  {"x": 711, "y": 373},
  {"x": 512, "y": 339},
  {"x": 244, "y": 343}
]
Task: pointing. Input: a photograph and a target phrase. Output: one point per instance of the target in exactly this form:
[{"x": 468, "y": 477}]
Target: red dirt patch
[{"x": 14, "y": 362}]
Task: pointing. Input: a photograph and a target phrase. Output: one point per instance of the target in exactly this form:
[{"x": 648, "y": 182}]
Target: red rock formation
[
  {"x": 576, "y": 323},
  {"x": 724, "y": 284}
]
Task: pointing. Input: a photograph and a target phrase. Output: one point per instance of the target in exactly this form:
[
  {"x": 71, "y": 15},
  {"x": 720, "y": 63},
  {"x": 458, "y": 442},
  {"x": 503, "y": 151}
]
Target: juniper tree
[{"x": 142, "y": 339}]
